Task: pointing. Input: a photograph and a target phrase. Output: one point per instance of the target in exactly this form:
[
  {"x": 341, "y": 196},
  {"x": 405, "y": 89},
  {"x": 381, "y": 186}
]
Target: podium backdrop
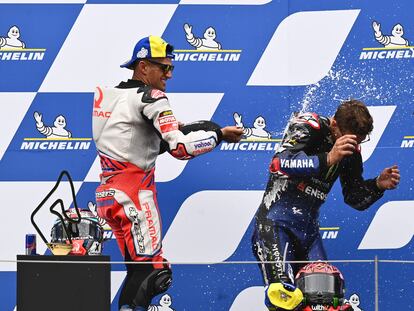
[{"x": 269, "y": 59}]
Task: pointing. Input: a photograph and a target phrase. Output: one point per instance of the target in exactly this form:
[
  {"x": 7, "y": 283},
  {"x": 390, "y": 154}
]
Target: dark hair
[{"x": 353, "y": 116}]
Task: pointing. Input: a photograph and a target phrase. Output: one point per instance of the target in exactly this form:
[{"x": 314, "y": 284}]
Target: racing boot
[{"x": 282, "y": 296}]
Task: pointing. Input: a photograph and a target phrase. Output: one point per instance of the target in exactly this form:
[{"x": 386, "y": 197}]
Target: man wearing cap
[{"x": 130, "y": 123}]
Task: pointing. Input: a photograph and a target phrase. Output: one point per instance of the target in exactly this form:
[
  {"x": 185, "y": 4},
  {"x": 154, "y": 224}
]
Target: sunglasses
[{"x": 164, "y": 67}]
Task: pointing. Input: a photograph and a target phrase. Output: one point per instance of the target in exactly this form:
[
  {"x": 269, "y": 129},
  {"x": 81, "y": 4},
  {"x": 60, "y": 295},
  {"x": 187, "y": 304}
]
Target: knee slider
[
  {"x": 162, "y": 281},
  {"x": 157, "y": 282}
]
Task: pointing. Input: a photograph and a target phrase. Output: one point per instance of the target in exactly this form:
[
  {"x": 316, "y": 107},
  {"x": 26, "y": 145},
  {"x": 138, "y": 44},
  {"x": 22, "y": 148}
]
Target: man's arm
[
  {"x": 293, "y": 158},
  {"x": 358, "y": 193},
  {"x": 183, "y": 146}
]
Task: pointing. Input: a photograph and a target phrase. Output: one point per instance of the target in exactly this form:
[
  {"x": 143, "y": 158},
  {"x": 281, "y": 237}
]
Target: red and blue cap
[{"x": 150, "y": 47}]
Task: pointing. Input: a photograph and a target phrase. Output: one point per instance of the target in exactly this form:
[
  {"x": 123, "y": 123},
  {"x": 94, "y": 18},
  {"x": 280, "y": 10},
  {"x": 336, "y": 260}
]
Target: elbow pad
[
  {"x": 203, "y": 125},
  {"x": 193, "y": 127}
]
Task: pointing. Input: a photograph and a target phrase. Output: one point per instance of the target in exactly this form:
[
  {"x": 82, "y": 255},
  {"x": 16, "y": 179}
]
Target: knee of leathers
[{"x": 162, "y": 281}]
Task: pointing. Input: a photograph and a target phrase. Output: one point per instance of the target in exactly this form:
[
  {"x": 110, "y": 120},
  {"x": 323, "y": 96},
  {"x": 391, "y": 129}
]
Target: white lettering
[
  {"x": 226, "y": 146},
  {"x": 203, "y": 57},
  {"x": 27, "y": 145},
  {"x": 366, "y": 55},
  {"x": 207, "y": 57},
  {"x": 55, "y": 145},
  {"x": 6, "y": 56},
  {"x": 252, "y": 146},
  {"x": 52, "y": 145},
  {"x": 212, "y": 57},
  {"x": 21, "y": 56},
  {"x": 407, "y": 143},
  {"x": 381, "y": 54},
  {"x": 390, "y": 54},
  {"x": 16, "y": 56},
  {"x": 179, "y": 57}
]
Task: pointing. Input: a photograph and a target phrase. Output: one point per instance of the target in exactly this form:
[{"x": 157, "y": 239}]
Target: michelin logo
[
  {"x": 13, "y": 48},
  {"x": 393, "y": 46},
  {"x": 57, "y": 131},
  {"x": 354, "y": 301},
  {"x": 407, "y": 142},
  {"x": 207, "y": 43},
  {"x": 56, "y": 137},
  {"x": 396, "y": 39},
  {"x": 207, "y": 48},
  {"x": 255, "y": 138},
  {"x": 164, "y": 304},
  {"x": 256, "y": 132},
  {"x": 12, "y": 41}
]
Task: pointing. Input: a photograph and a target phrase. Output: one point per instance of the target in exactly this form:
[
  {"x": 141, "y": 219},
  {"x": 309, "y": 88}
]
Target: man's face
[
  {"x": 360, "y": 138},
  {"x": 158, "y": 72}
]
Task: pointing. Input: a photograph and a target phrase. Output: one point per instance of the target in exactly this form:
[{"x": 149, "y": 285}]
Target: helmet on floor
[{"x": 321, "y": 283}]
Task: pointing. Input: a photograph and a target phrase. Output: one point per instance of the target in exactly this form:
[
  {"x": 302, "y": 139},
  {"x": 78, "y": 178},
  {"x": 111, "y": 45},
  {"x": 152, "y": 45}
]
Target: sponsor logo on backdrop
[
  {"x": 255, "y": 138},
  {"x": 407, "y": 142},
  {"x": 12, "y": 48},
  {"x": 164, "y": 304},
  {"x": 354, "y": 301},
  {"x": 206, "y": 48},
  {"x": 329, "y": 233},
  {"x": 394, "y": 45},
  {"x": 55, "y": 137}
]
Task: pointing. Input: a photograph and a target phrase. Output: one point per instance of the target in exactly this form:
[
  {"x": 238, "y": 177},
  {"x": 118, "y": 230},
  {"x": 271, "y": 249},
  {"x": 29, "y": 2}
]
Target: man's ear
[
  {"x": 334, "y": 128},
  {"x": 142, "y": 67}
]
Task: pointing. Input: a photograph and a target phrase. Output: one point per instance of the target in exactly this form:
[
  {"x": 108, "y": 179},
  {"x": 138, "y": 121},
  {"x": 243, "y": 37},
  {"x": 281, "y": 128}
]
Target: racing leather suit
[
  {"x": 287, "y": 225},
  {"x": 129, "y": 122}
]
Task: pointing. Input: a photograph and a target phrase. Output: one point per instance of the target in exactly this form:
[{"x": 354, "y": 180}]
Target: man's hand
[
  {"x": 232, "y": 134},
  {"x": 344, "y": 146},
  {"x": 389, "y": 178}
]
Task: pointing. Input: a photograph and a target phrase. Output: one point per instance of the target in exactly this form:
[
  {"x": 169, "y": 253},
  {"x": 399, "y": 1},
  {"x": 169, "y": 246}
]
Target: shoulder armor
[
  {"x": 310, "y": 118},
  {"x": 151, "y": 94}
]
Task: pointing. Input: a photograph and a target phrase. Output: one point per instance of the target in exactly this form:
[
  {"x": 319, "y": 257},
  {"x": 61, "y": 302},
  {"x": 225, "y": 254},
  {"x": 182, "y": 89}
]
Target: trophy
[{"x": 60, "y": 248}]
